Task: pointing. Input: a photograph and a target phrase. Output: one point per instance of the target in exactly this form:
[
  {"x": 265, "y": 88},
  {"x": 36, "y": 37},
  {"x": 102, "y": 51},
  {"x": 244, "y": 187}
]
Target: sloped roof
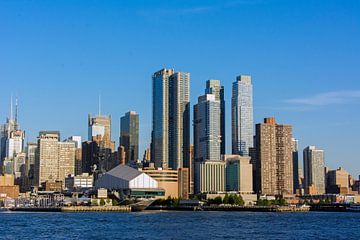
[{"x": 124, "y": 172}]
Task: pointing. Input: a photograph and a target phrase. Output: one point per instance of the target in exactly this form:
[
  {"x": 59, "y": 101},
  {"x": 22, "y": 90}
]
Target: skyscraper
[
  {"x": 30, "y": 157},
  {"x": 209, "y": 174},
  {"x": 78, "y": 153},
  {"x": 160, "y": 117},
  {"x": 314, "y": 169},
  {"x": 214, "y": 87},
  {"x": 179, "y": 120},
  {"x": 295, "y": 151},
  {"x": 242, "y": 115},
  {"x": 129, "y": 135},
  {"x": 207, "y": 138},
  {"x": 101, "y": 126},
  {"x": 274, "y": 163}
]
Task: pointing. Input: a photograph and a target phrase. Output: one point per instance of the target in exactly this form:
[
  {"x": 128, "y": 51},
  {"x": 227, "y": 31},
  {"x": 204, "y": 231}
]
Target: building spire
[{"x": 16, "y": 110}]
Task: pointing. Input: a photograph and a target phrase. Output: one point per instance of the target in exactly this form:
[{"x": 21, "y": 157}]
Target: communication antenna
[{"x": 16, "y": 110}]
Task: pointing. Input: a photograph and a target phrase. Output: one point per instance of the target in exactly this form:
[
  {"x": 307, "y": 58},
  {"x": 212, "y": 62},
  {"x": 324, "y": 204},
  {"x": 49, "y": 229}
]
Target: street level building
[{"x": 239, "y": 174}]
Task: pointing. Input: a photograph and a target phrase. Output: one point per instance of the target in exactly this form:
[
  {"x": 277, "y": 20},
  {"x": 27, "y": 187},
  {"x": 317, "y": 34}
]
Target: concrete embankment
[
  {"x": 96, "y": 209},
  {"x": 231, "y": 208}
]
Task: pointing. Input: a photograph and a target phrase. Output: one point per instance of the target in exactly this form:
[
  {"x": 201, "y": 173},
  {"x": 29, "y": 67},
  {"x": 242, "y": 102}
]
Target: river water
[{"x": 180, "y": 225}]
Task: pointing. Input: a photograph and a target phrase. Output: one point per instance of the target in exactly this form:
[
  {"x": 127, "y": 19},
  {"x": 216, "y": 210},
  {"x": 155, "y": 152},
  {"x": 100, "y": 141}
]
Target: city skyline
[{"x": 323, "y": 115}]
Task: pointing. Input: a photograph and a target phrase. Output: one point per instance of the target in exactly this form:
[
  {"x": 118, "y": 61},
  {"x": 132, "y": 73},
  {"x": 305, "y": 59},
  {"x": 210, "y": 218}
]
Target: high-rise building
[
  {"x": 295, "y": 154},
  {"x": 98, "y": 153},
  {"x": 30, "y": 157},
  {"x": 209, "y": 174},
  {"x": 214, "y": 87},
  {"x": 66, "y": 160},
  {"x": 242, "y": 115},
  {"x": 338, "y": 181},
  {"x": 179, "y": 120},
  {"x": 100, "y": 126},
  {"x": 47, "y": 157},
  {"x": 122, "y": 155},
  {"x": 314, "y": 170},
  {"x": 274, "y": 163},
  {"x": 54, "y": 160},
  {"x": 239, "y": 173},
  {"x": 191, "y": 169},
  {"x": 207, "y": 138},
  {"x": 78, "y": 153},
  {"x": 160, "y": 117},
  {"x": 129, "y": 135}
]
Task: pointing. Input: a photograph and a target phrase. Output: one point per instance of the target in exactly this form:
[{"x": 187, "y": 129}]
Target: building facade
[
  {"x": 295, "y": 157},
  {"x": 100, "y": 127},
  {"x": 214, "y": 87},
  {"x": 160, "y": 117},
  {"x": 274, "y": 163},
  {"x": 242, "y": 115},
  {"x": 210, "y": 177},
  {"x": 207, "y": 138},
  {"x": 179, "y": 120},
  {"x": 314, "y": 169},
  {"x": 54, "y": 160},
  {"x": 129, "y": 135},
  {"x": 239, "y": 173}
]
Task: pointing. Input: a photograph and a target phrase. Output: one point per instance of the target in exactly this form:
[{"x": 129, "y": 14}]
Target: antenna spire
[{"x": 16, "y": 110}]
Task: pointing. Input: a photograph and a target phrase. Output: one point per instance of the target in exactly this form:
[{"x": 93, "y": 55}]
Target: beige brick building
[
  {"x": 54, "y": 160},
  {"x": 274, "y": 167}
]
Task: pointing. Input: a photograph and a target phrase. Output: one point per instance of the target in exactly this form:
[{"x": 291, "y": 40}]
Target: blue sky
[{"x": 304, "y": 57}]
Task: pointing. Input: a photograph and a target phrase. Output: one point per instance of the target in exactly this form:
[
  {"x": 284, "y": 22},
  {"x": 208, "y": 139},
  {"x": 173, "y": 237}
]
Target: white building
[{"x": 125, "y": 177}]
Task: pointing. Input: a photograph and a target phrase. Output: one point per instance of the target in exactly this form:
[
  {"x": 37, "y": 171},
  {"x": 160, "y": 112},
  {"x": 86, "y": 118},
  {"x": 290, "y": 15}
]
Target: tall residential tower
[
  {"x": 314, "y": 170},
  {"x": 214, "y": 87},
  {"x": 242, "y": 115}
]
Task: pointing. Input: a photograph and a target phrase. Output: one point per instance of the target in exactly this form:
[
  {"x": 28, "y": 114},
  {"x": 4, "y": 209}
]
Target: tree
[
  {"x": 102, "y": 202},
  {"x": 231, "y": 199},
  {"x": 239, "y": 200},
  {"x": 115, "y": 202},
  {"x": 226, "y": 199},
  {"x": 282, "y": 202}
]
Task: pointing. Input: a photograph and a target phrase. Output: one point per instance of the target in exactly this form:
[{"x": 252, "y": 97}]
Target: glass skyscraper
[
  {"x": 314, "y": 173},
  {"x": 129, "y": 135},
  {"x": 207, "y": 138},
  {"x": 214, "y": 87},
  {"x": 179, "y": 120},
  {"x": 242, "y": 115},
  {"x": 160, "y": 118}
]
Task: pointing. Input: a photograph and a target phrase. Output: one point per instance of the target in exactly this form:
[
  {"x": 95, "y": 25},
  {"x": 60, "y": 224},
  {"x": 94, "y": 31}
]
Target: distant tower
[
  {"x": 160, "y": 117},
  {"x": 242, "y": 115},
  {"x": 207, "y": 138},
  {"x": 129, "y": 135},
  {"x": 295, "y": 149},
  {"x": 214, "y": 87},
  {"x": 314, "y": 174},
  {"x": 179, "y": 120}
]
